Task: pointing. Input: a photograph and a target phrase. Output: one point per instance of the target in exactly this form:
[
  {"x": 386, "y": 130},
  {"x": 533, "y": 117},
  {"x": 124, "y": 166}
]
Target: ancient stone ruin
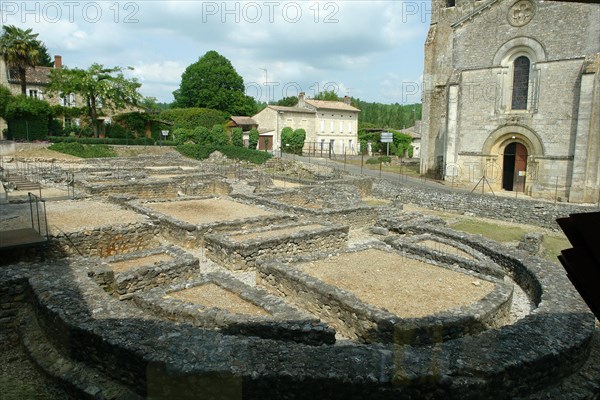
[{"x": 167, "y": 278}]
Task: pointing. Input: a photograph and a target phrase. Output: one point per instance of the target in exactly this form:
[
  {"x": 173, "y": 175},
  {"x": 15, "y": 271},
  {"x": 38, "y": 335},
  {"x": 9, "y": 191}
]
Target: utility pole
[{"x": 266, "y": 83}]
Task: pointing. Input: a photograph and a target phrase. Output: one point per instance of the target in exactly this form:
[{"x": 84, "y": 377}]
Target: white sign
[
  {"x": 387, "y": 137},
  {"x": 165, "y": 133}
]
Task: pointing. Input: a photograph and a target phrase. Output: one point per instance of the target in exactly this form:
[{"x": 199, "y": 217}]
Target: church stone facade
[{"x": 511, "y": 96}]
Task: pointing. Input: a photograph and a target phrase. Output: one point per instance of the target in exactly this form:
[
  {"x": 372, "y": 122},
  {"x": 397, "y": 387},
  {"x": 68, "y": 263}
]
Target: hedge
[
  {"x": 82, "y": 150},
  {"x": 239, "y": 153},
  {"x": 191, "y": 118},
  {"x": 134, "y": 142}
]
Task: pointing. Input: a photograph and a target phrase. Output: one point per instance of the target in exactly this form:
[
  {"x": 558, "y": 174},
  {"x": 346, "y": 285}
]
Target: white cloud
[{"x": 367, "y": 45}]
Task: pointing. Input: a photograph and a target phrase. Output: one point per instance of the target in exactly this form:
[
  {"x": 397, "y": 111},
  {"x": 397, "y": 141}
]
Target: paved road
[{"x": 389, "y": 176}]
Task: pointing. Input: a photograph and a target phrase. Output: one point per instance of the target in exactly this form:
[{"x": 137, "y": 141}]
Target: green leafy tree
[
  {"x": 20, "y": 49},
  {"x": 292, "y": 140},
  {"x": 5, "y": 98},
  {"x": 329, "y": 95},
  {"x": 44, "y": 58},
  {"x": 289, "y": 101},
  {"x": 237, "y": 137},
  {"x": 253, "y": 138},
  {"x": 212, "y": 82},
  {"x": 98, "y": 86}
]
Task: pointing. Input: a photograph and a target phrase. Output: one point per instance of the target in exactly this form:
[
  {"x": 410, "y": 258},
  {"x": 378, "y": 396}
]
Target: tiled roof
[
  {"x": 241, "y": 120},
  {"x": 331, "y": 105},
  {"x": 291, "y": 109},
  {"x": 37, "y": 76}
]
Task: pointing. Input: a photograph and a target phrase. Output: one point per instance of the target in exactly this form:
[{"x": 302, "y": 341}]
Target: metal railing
[{"x": 39, "y": 221}]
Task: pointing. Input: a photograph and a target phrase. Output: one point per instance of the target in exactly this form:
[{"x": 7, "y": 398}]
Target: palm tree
[{"x": 20, "y": 49}]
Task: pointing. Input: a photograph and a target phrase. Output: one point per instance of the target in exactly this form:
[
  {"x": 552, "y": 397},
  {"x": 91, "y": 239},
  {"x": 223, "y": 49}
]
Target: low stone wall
[
  {"x": 480, "y": 264},
  {"x": 369, "y": 324},
  {"x": 283, "y": 323},
  {"x": 353, "y": 216},
  {"x": 104, "y": 241},
  {"x": 523, "y": 211},
  {"x": 235, "y": 254},
  {"x": 145, "y": 186},
  {"x": 13, "y": 296},
  {"x": 158, "y": 357},
  {"x": 191, "y": 236},
  {"x": 124, "y": 284}
]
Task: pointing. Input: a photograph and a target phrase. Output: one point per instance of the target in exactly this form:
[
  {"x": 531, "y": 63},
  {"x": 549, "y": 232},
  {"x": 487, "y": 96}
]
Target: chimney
[
  {"x": 58, "y": 62},
  {"x": 301, "y": 102},
  {"x": 347, "y": 100}
]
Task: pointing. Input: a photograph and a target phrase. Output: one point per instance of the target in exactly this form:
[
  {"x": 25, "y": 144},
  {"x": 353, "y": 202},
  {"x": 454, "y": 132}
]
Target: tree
[
  {"x": 288, "y": 101},
  {"x": 212, "y": 82},
  {"x": 5, "y": 98},
  {"x": 20, "y": 49},
  {"x": 98, "y": 86},
  {"x": 329, "y": 95},
  {"x": 293, "y": 140},
  {"x": 44, "y": 59}
]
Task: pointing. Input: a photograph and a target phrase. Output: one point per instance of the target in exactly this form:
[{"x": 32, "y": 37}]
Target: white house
[{"x": 329, "y": 125}]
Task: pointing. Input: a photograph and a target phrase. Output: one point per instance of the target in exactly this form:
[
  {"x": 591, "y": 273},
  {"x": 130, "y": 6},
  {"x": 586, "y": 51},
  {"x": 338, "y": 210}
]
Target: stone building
[
  {"x": 511, "y": 93},
  {"x": 328, "y": 124}
]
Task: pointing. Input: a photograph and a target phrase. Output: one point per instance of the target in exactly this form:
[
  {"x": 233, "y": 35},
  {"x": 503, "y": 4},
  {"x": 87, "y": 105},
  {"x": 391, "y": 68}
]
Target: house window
[
  {"x": 350, "y": 145},
  {"x": 331, "y": 126},
  {"x": 450, "y": 3},
  {"x": 34, "y": 93},
  {"x": 341, "y": 127},
  {"x": 520, "y": 89},
  {"x": 349, "y": 127},
  {"x": 322, "y": 126}
]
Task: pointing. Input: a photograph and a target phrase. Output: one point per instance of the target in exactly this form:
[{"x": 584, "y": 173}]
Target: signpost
[
  {"x": 387, "y": 138},
  {"x": 164, "y": 134}
]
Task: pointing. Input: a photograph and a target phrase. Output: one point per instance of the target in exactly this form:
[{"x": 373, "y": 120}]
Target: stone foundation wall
[
  {"x": 365, "y": 323},
  {"x": 242, "y": 255},
  {"x": 283, "y": 322},
  {"x": 143, "y": 277},
  {"x": 13, "y": 296},
  {"x": 510, "y": 209},
  {"x": 158, "y": 356},
  {"x": 191, "y": 236},
  {"x": 104, "y": 241},
  {"x": 355, "y": 216}
]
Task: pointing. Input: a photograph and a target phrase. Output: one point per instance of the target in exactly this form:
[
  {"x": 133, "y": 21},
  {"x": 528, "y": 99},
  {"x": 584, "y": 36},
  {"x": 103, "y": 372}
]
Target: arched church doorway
[{"x": 514, "y": 167}]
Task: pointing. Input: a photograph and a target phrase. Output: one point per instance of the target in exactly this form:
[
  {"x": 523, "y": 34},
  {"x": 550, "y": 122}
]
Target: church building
[{"x": 511, "y": 97}]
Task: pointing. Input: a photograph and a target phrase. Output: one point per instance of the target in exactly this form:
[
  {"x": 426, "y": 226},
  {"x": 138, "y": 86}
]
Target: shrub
[
  {"x": 253, "y": 140},
  {"x": 237, "y": 137},
  {"x": 83, "y": 151},
  {"x": 234, "y": 152},
  {"x": 183, "y": 135},
  {"x": 293, "y": 141},
  {"x": 218, "y": 136},
  {"x": 379, "y": 160},
  {"x": 27, "y": 118},
  {"x": 202, "y": 135},
  {"x": 191, "y": 118}
]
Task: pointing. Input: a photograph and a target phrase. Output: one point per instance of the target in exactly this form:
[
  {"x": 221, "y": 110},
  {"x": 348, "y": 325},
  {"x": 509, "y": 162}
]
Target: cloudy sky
[{"x": 372, "y": 50}]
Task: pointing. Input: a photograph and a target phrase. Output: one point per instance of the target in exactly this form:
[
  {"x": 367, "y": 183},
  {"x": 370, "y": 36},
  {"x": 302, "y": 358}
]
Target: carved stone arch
[
  {"x": 519, "y": 46},
  {"x": 504, "y": 135}
]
